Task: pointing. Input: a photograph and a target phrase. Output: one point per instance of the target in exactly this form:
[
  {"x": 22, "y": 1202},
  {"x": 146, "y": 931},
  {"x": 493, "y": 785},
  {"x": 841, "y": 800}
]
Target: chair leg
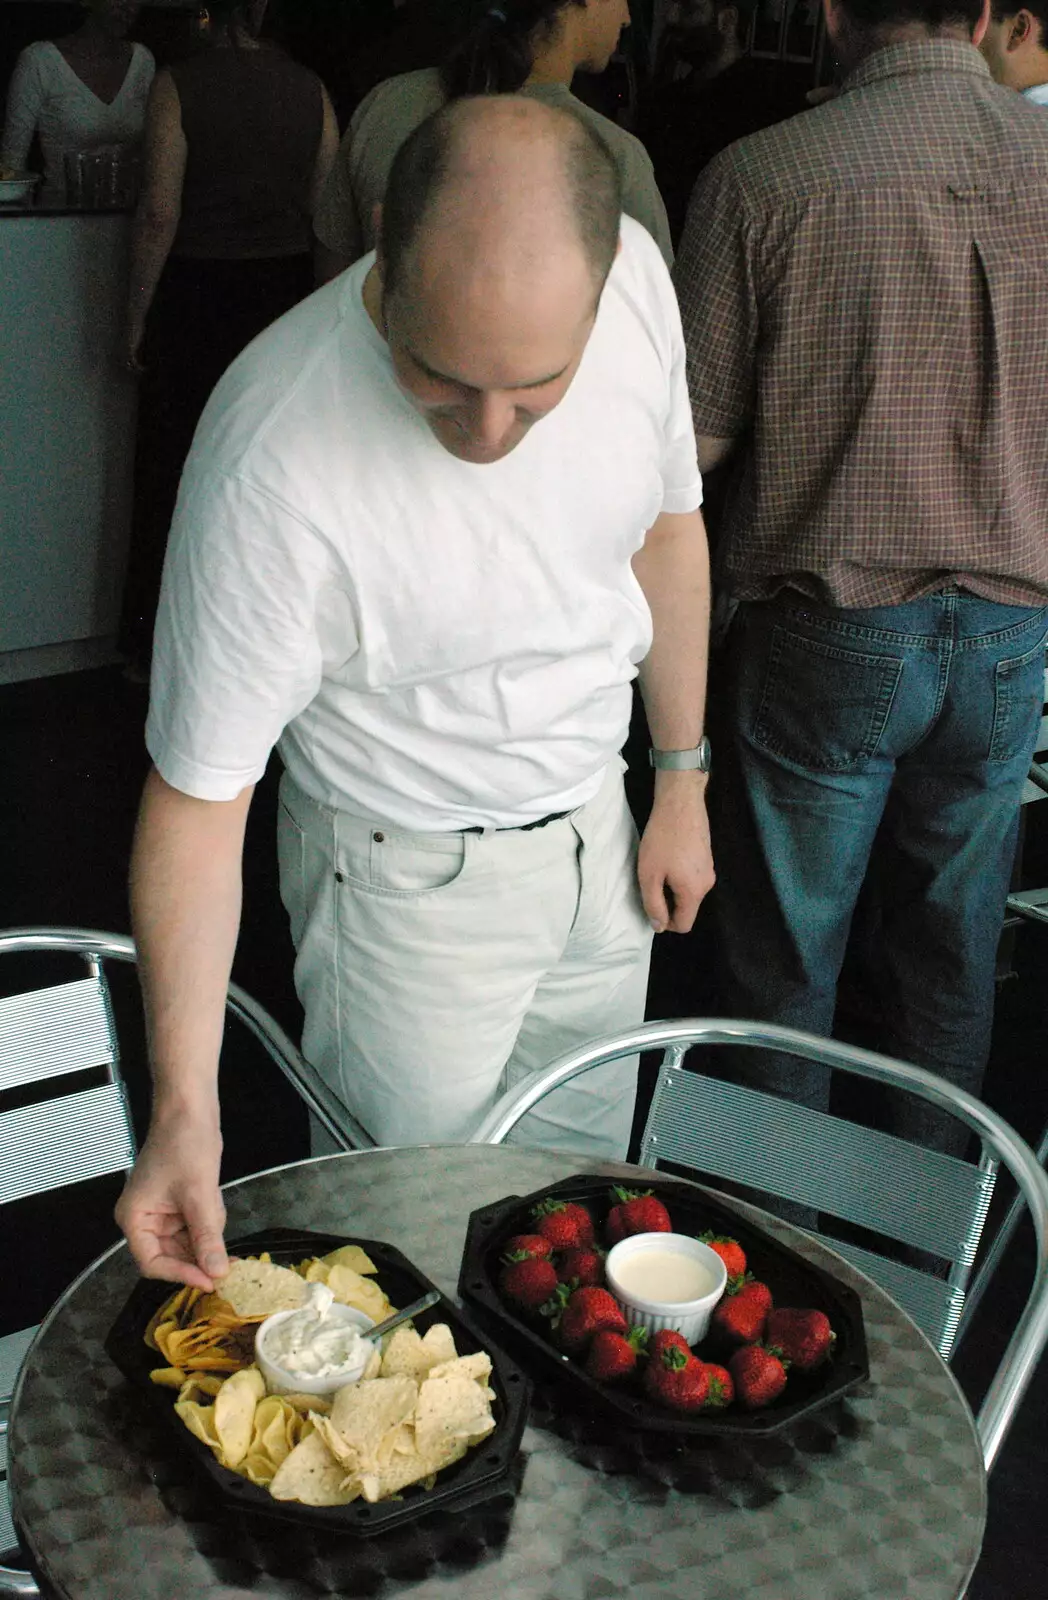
[{"x": 992, "y": 1260}]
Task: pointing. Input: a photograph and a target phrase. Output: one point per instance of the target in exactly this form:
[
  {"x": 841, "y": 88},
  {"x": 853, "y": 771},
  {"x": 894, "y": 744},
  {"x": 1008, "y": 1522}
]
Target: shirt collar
[
  {"x": 917, "y": 55},
  {"x": 1038, "y": 93}
]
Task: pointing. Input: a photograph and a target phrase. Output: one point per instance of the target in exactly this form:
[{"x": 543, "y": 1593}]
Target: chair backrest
[
  {"x": 61, "y": 1133},
  {"x": 783, "y": 1155},
  {"x": 874, "y": 1180}
]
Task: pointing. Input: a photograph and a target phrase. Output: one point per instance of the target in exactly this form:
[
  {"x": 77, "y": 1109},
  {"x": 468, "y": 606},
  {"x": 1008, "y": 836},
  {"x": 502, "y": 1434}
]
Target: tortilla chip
[
  {"x": 409, "y": 1354},
  {"x": 257, "y": 1289},
  {"x": 363, "y": 1427},
  {"x": 477, "y": 1366},
  {"x": 235, "y": 1406},
  {"x": 352, "y": 1290},
  {"x": 351, "y": 1255},
  {"x": 311, "y": 1475},
  {"x": 451, "y": 1411},
  {"x": 374, "y": 1366}
]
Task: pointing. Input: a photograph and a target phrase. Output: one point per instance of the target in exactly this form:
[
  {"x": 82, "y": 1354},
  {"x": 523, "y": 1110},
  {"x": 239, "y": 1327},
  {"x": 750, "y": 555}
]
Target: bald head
[
  {"x": 500, "y": 226},
  {"x": 506, "y": 175}
]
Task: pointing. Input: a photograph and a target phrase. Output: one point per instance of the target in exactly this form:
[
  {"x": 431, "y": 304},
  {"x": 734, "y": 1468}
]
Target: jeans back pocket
[
  {"x": 824, "y": 706},
  {"x": 1018, "y": 704}
]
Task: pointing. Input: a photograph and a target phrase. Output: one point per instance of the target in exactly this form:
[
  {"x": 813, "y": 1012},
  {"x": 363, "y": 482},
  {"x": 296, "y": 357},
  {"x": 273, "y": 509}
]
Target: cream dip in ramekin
[{"x": 666, "y": 1280}]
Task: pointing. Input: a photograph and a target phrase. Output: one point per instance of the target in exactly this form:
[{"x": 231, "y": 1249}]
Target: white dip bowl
[
  {"x": 666, "y": 1280},
  {"x": 280, "y": 1381}
]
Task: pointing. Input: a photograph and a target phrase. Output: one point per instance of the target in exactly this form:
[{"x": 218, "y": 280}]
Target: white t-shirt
[
  {"x": 1038, "y": 93},
  {"x": 435, "y": 644},
  {"x": 48, "y": 98}
]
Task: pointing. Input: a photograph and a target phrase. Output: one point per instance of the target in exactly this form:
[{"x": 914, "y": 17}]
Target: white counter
[{"x": 67, "y": 413}]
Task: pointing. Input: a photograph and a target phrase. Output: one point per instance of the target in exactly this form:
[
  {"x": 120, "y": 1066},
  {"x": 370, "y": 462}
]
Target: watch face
[{"x": 705, "y": 755}]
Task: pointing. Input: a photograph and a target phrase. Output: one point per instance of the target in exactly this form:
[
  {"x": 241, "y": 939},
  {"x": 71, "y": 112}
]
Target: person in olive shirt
[{"x": 531, "y": 47}]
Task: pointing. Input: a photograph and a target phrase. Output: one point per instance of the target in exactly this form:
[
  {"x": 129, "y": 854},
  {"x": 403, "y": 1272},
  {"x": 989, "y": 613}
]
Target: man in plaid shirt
[{"x": 865, "y": 303}]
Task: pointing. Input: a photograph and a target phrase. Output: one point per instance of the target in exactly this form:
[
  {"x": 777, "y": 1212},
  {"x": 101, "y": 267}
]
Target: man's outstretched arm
[{"x": 186, "y": 885}]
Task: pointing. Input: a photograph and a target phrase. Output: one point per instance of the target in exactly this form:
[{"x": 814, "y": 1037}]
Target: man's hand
[
  {"x": 171, "y": 1210},
  {"x": 675, "y": 863}
]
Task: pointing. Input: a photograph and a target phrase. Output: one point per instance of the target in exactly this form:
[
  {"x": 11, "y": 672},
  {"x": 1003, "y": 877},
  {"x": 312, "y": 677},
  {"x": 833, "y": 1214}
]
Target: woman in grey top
[{"x": 531, "y": 47}]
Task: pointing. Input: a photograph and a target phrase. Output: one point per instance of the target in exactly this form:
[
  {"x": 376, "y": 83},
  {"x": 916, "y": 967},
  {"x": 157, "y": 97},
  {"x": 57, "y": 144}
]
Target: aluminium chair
[
  {"x": 1025, "y": 905},
  {"x": 60, "y": 1065},
  {"x": 918, "y": 1197}
]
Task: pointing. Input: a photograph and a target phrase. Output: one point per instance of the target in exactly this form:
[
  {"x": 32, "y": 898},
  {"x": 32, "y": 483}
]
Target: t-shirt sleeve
[
  {"x": 237, "y": 652},
  {"x": 336, "y": 221},
  {"x": 715, "y": 287},
  {"x": 681, "y": 480},
  {"x": 25, "y": 98}
]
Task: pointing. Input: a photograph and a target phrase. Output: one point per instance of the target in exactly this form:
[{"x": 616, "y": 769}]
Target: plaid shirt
[{"x": 865, "y": 300}]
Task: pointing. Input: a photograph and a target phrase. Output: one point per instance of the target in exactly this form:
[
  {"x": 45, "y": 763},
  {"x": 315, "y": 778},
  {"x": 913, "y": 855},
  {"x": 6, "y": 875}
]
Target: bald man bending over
[{"x": 433, "y": 522}]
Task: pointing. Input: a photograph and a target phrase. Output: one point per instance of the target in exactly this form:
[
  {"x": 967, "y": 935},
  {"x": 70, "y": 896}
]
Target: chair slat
[
  {"x": 62, "y": 1141},
  {"x": 895, "y": 1188},
  {"x": 931, "y": 1302},
  {"x": 8, "y": 1540},
  {"x": 13, "y": 1347},
  {"x": 49, "y": 1032}
]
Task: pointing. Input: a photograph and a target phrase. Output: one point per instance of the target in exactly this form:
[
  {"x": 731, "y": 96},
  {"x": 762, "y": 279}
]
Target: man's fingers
[
  {"x": 685, "y": 910},
  {"x": 206, "y": 1241},
  {"x": 653, "y": 898}
]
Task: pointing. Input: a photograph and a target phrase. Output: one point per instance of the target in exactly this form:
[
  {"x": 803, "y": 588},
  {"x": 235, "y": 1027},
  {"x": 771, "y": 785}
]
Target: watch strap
[{"x": 696, "y": 760}]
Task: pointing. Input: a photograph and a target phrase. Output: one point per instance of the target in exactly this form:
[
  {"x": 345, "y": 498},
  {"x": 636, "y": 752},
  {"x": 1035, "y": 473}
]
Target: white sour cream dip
[
  {"x": 664, "y": 1276},
  {"x": 311, "y": 1343}
]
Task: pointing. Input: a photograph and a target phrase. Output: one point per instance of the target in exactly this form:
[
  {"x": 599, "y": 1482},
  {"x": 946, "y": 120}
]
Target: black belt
[{"x": 524, "y": 827}]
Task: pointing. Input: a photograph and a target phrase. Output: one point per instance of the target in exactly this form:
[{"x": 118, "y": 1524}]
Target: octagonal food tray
[{"x": 484, "y": 1473}]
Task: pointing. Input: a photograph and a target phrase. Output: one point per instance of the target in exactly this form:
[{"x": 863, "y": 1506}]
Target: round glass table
[{"x": 892, "y": 1508}]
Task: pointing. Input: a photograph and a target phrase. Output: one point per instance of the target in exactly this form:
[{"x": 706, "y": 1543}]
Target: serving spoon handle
[{"x": 415, "y": 1309}]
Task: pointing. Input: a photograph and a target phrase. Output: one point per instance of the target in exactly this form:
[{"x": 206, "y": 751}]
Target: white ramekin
[
  {"x": 279, "y": 1381},
  {"x": 691, "y": 1317}
]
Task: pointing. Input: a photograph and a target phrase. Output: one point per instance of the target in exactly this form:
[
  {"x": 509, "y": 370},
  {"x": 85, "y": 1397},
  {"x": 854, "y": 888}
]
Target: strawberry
[
  {"x": 730, "y": 1252},
  {"x": 613, "y": 1356},
  {"x": 760, "y": 1377},
  {"x": 722, "y": 1389},
  {"x": 664, "y": 1340},
  {"x": 741, "y": 1313},
  {"x": 804, "y": 1337},
  {"x": 636, "y": 1212},
  {"x": 677, "y": 1380},
  {"x": 528, "y": 1282},
  {"x": 566, "y": 1225},
  {"x": 587, "y": 1312},
  {"x": 582, "y": 1267},
  {"x": 526, "y": 1244}
]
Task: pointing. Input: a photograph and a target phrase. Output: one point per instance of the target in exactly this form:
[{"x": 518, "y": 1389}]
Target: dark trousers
[
  {"x": 886, "y": 748},
  {"x": 204, "y": 314}
]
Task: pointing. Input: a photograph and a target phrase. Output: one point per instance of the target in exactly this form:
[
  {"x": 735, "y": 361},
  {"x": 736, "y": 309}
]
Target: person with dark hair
[
  {"x": 862, "y": 297},
  {"x": 531, "y": 47},
  {"x": 706, "y": 92},
  {"x": 1015, "y": 45},
  {"x": 239, "y": 142},
  {"x": 433, "y": 524}
]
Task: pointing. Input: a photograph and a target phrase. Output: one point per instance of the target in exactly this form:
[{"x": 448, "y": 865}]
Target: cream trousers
[{"x": 437, "y": 970}]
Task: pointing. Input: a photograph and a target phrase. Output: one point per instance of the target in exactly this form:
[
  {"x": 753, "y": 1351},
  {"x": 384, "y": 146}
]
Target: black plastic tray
[
  {"x": 792, "y": 1280},
  {"x": 486, "y": 1472}
]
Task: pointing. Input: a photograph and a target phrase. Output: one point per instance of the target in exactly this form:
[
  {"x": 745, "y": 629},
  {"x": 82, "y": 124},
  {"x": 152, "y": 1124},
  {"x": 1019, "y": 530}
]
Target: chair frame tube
[
  {"x": 1028, "y": 1341},
  {"x": 93, "y": 946}
]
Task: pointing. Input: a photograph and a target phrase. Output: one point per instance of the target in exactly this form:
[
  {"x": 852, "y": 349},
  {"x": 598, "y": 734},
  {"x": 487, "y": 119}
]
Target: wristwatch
[{"x": 697, "y": 760}]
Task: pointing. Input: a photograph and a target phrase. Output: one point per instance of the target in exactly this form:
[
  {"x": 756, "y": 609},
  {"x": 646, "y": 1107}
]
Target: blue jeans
[{"x": 885, "y": 747}]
